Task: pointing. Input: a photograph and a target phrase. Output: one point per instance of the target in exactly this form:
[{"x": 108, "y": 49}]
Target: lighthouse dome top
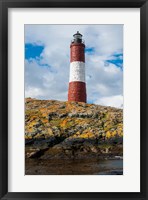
[{"x": 77, "y": 34}]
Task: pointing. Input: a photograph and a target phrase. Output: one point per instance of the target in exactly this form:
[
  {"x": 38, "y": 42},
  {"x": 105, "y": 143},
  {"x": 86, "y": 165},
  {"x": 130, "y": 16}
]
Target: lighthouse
[{"x": 77, "y": 85}]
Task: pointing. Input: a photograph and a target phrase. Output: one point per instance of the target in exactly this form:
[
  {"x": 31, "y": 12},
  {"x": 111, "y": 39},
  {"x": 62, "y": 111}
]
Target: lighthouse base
[{"x": 77, "y": 91}]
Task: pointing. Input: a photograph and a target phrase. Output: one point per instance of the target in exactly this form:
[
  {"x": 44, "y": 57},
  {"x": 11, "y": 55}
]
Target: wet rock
[
  {"x": 43, "y": 143},
  {"x": 29, "y": 141},
  {"x": 35, "y": 153}
]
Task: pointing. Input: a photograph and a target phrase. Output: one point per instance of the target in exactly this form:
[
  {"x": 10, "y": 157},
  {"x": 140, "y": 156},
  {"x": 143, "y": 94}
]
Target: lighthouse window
[{"x": 78, "y": 36}]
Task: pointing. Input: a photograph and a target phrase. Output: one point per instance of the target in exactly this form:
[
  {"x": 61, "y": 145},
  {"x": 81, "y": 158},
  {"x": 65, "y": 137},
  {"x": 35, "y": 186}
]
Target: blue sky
[
  {"x": 47, "y": 62},
  {"x": 33, "y": 50}
]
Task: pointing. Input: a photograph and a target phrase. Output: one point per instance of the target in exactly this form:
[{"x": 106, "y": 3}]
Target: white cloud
[
  {"x": 103, "y": 82},
  {"x": 41, "y": 83},
  {"x": 114, "y": 101}
]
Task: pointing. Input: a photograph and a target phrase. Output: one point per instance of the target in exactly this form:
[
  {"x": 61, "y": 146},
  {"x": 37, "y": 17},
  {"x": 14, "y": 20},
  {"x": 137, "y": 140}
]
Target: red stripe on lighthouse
[
  {"x": 77, "y": 91},
  {"x": 77, "y": 52}
]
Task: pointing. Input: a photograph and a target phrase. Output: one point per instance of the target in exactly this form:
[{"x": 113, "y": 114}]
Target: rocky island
[{"x": 56, "y": 130}]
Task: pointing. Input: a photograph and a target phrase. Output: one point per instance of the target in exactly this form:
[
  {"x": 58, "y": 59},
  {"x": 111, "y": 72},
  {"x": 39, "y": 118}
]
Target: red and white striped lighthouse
[{"x": 77, "y": 85}]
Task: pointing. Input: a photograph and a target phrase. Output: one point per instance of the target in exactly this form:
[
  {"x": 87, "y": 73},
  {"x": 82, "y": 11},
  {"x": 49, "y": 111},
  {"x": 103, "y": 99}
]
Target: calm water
[{"x": 73, "y": 167}]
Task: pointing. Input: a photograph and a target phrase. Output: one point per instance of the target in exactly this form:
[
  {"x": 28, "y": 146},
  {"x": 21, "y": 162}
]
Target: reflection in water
[{"x": 73, "y": 167}]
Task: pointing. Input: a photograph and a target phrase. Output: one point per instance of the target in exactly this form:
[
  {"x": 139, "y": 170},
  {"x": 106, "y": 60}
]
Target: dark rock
[{"x": 36, "y": 153}]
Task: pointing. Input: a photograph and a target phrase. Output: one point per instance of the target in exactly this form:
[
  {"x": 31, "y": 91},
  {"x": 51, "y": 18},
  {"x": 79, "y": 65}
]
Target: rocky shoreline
[{"x": 77, "y": 149}]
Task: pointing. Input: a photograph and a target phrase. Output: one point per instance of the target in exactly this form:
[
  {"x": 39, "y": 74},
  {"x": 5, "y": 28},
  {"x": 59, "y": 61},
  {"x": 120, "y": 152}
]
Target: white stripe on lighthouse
[{"x": 77, "y": 71}]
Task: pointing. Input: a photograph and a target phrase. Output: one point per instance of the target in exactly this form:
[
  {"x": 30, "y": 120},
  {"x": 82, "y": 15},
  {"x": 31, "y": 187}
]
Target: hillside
[{"x": 56, "y": 129}]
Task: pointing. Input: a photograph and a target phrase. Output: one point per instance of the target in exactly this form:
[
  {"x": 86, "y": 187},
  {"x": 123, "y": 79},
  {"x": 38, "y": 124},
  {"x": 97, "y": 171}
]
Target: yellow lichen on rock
[{"x": 71, "y": 119}]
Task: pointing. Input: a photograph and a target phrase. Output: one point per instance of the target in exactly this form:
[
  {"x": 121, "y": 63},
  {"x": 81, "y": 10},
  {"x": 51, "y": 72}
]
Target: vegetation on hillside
[{"x": 71, "y": 128}]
